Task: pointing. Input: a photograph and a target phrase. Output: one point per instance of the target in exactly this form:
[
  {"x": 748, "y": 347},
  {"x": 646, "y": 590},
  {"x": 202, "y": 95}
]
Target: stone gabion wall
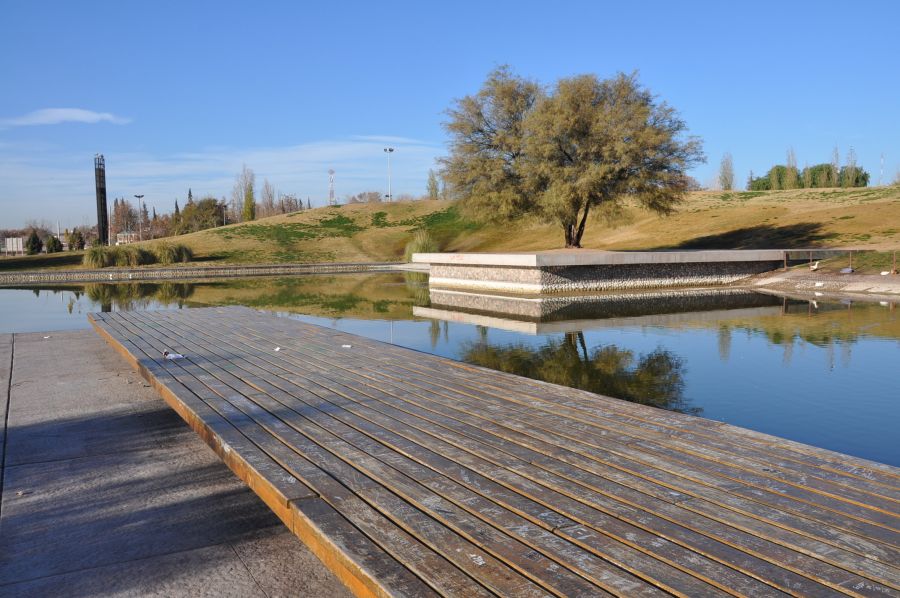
[
  {"x": 577, "y": 279},
  {"x": 646, "y": 276},
  {"x": 137, "y": 274},
  {"x": 487, "y": 274}
]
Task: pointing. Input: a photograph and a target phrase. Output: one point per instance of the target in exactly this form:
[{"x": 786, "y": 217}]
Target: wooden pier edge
[
  {"x": 352, "y": 574},
  {"x": 393, "y": 469}
]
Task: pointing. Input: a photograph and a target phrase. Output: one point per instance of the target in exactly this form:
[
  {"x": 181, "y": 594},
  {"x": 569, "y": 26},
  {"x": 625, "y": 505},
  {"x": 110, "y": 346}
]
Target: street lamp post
[
  {"x": 140, "y": 217},
  {"x": 389, "y": 151}
]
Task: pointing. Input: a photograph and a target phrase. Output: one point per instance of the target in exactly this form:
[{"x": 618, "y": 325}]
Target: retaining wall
[
  {"x": 184, "y": 272},
  {"x": 593, "y": 278}
]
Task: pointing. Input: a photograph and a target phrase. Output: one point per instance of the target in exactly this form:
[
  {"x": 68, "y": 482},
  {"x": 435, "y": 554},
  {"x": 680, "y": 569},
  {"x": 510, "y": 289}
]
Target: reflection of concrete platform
[
  {"x": 555, "y": 313},
  {"x": 586, "y": 270}
]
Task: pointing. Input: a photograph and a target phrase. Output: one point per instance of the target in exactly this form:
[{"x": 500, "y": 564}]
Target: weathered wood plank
[
  {"x": 624, "y": 560},
  {"x": 360, "y": 563},
  {"x": 339, "y": 447},
  {"x": 419, "y": 559},
  {"x": 836, "y": 463},
  {"x": 725, "y": 484},
  {"x": 417, "y": 474},
  {"x": 314, "y": 379},
  {"x": 687, "y": 428}
]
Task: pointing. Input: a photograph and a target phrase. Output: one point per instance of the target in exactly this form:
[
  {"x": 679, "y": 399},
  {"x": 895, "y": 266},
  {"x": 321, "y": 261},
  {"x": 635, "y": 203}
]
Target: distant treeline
[
  {"x": 811, "y": 177},
  {"x": 788, "y": 176}
]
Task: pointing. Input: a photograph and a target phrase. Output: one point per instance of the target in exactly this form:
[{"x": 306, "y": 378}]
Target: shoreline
[
  {"x": 814, "y": 285},
  {"x": 188, "y": 272}
]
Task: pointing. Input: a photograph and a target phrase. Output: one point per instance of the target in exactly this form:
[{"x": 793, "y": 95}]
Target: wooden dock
[{"x": 410, "y": 474}]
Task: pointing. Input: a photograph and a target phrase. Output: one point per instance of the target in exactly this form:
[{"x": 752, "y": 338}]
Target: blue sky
[{"x": 180, "y": 95}]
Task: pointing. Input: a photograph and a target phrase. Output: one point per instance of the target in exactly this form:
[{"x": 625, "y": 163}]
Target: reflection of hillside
[
  {"x": 655, "y": 379},
  {"x": 821, "y": 324},
  {"x": 365, "y": 296}
]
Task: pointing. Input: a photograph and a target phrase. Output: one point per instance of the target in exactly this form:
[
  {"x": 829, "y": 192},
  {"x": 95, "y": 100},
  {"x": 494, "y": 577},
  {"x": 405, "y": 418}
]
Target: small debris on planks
[{"x": 170, "y": 355}]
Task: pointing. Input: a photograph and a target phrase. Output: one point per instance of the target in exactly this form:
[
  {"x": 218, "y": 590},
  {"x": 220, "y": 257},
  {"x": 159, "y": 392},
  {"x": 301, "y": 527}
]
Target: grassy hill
[
  {"x": 867, "y": 218},
  {"x": 859, "y": 218}
]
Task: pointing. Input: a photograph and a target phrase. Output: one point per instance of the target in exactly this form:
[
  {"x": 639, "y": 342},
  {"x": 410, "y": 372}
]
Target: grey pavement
[{"x": 106, "y": 492}]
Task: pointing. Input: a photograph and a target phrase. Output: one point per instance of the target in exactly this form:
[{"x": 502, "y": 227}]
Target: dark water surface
[{"x": 821, "y": 373}]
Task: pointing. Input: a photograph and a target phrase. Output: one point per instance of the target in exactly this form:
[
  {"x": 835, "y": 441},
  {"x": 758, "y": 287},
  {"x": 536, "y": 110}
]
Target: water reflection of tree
[
  {"x": 417, "y": 285},
  {"x": 128, "y": 296},
  {"x": 656, "y": 378}
]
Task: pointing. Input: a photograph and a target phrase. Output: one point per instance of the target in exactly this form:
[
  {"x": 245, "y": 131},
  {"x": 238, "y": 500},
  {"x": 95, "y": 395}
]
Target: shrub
[
  {"x": 97, "y": 257},
  {"x": 33, "y": 244},
  {"x": 75, "y": 240},
  {"x": 53, "y": 244},
  {"x": 118, "y": 256},
  {"x": 133, "y": 256},
  {"x": 167, "y": 253},
  {"x": 184, "y": 253},
  {"x": 420, "y": 243}
]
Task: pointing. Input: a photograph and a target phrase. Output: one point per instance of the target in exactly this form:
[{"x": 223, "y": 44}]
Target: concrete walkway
[
  {"x": 801, "y": 280},
  {"x": 105, "y": 491}
]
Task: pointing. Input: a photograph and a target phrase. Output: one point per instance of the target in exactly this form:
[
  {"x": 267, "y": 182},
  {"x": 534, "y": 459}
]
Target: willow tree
[{"x": 517, "y": 149}]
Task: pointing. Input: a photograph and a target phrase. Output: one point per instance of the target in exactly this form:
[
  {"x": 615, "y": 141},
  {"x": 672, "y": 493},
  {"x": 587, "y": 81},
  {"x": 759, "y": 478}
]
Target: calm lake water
[{"x": 821, "y": 373}]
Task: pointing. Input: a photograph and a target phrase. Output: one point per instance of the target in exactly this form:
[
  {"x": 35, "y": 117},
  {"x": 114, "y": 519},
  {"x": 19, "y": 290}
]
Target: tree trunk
[
  {"x": 580, "y": 232},
  {"x": 575, "y": 229},
  {"x": 570, "y": 235}
]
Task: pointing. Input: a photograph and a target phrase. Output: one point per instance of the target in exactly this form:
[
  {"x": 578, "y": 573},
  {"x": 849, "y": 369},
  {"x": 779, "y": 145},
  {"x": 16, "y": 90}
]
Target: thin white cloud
[
  {"x": 388, "y": 139},
  {"x": 56, "y": 116}
]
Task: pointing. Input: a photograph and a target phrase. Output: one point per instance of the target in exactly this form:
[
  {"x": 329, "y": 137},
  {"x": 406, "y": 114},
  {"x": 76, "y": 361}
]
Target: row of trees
[
  {"x": 206, "y": 212},
  {"x": 244, "y": 206},
  {"x": 789, "y": 176}
]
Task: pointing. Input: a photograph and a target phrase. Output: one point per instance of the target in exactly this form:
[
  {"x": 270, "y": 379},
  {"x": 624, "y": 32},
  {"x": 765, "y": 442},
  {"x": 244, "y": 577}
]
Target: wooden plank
[
  {"x": 558, "y": 492},
  {"x": 606, "y": 574},
  {"x": 367, "y": 569},
  {"x": 218, "y": 344},
  {"x": 840, "y": 464},
  {"x": 765, "y": 462},
  {"x": 890, "y": 517},
  {"x": 624, "y": 559},
  {"x": 865, "y": 547},
  {"x": 276, "y": 486},
  {"x": 421, "y": 560}
]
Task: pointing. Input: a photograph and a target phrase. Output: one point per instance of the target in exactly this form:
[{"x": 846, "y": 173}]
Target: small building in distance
[
  {"x": 126, "y": 238},
  {"x": 14, "y": 246}
]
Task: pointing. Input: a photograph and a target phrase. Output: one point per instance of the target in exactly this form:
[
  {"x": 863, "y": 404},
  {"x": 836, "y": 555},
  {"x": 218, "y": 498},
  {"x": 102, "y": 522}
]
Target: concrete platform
[
  {"x": 590, "y": 257},
  {"x": 579, "y": 270},
  {"x": 105, "y": 491}
]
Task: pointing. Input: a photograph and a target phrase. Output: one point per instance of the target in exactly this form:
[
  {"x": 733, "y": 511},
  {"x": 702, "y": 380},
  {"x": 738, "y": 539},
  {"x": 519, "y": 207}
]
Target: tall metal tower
[
  {"x": 331, "y": 200},
  {"x": 100, "y": 181}
]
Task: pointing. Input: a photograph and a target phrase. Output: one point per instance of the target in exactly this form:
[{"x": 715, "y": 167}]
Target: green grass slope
[
  {"x": 857, "y": 218},
  {"x": 867, "y": 218}
]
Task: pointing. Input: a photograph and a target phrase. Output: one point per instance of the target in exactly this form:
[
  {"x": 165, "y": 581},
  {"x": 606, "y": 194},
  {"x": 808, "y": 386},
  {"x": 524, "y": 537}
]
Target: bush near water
[{"x": 130, "y": 256}]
